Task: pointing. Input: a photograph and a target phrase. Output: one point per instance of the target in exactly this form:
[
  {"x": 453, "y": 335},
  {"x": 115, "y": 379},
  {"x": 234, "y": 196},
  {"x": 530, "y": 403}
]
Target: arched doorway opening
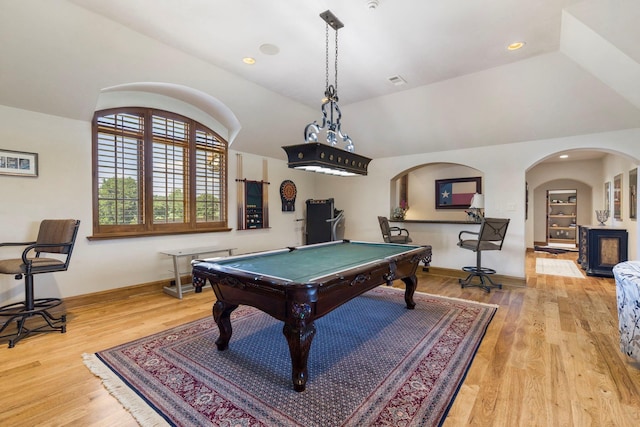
[{"x": 592, "y": 172}]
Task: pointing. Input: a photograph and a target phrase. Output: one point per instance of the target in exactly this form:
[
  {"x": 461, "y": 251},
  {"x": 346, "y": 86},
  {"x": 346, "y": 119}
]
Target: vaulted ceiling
[{"x": 578, "y": 73}]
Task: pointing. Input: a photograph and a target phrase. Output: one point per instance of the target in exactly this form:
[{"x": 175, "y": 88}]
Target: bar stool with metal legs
[
  {"x": 56, "y": 238},
  {"x": 489, "y": 238}
]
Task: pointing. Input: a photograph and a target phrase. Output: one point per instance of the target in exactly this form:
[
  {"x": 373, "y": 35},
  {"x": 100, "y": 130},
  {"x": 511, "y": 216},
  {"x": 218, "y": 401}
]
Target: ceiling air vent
[{"x": 397, "y": 80}]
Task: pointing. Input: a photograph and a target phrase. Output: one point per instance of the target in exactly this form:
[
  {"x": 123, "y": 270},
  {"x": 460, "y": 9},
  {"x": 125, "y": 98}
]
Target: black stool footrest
[
  {"x": 481, "y": 270},
  {"x": 19, "y": 312},
  {"x": 483, "y": 274}
]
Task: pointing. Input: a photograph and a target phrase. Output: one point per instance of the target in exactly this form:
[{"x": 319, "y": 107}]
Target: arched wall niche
[{"x": 415, "y": 187}]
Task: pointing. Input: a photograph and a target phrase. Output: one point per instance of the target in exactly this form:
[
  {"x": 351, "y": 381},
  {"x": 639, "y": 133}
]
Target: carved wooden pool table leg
[
  {"x": 221, "y": 313},
  {"x": 411, "y": 283},
  {"x": 299, "y": 336}
]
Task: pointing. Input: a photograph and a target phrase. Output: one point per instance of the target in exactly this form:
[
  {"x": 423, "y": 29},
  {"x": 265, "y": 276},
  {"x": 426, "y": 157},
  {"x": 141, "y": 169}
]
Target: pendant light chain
[
  {"x": 336, "y": 75},
  {"x": 326, "y": 59},
  {"x": 334, "y": 92}
]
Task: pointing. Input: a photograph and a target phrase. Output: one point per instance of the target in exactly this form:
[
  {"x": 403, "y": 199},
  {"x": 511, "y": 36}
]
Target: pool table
[{"x": 298, "y": 285}]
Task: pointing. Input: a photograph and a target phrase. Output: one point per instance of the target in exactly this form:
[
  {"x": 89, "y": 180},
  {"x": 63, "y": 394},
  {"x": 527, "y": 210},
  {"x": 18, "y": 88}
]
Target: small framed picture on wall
[
  {"x": 617, "y": 196},
  {"x": 18, "y": 163},
  {"x": 456, "y": 193},
  {"x": 633, "y": 193}
]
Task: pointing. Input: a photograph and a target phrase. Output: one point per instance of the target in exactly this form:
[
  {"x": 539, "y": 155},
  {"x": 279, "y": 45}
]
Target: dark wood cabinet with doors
[{"x": 600, "y": 248}]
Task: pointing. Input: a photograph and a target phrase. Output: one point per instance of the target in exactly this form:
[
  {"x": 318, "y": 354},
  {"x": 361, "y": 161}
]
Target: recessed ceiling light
[
  {"x": 248, "y": 60},
  {"x": 515, "y": 45},
  {"x": 564, "y": 156}
]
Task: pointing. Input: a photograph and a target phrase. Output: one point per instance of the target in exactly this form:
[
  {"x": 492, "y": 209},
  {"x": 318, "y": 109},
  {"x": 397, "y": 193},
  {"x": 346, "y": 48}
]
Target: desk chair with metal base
[
  {"x": 401, "y": 235},
  {"x": 56, "y": 237},
  {"x": 393, "y": 234},
  {"x": 489, "y": 238}
]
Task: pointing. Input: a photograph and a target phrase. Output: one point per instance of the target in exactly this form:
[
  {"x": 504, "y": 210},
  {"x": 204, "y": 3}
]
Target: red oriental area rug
[{"x": 372, "y": 362}]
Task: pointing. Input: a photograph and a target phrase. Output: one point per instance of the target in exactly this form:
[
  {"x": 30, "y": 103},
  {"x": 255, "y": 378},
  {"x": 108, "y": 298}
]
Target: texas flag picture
[{"x": 456, "y": 193}]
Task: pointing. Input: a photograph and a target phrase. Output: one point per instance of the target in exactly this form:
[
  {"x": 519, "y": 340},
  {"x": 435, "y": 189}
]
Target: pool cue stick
[
  {"x": 265, "y": 193},
  {"x": 240, "y": 192}
]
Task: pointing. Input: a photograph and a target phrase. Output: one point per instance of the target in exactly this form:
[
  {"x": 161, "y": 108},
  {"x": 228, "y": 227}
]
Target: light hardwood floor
[{"x": 550, "y": 356}]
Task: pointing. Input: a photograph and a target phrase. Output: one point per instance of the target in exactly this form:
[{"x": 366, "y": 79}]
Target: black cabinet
[
  {"x": 320, "y": 214},
  {"x": 600, "y": 248},
  {"x": 254, "y": 205}
]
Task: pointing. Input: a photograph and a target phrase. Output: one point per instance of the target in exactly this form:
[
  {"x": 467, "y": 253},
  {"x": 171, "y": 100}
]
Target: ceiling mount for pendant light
[{"x": 313, "y": 155}]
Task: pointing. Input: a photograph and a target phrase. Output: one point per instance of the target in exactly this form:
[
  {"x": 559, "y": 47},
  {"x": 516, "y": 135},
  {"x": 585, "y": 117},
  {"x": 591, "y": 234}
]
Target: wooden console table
[
  {"x": 433, "y": 221},
  {"x": 179, "y": 288}
]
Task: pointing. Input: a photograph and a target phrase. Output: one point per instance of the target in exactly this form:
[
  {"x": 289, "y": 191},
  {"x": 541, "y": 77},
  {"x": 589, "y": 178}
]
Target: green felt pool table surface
[{"x": 310, "y": 263}]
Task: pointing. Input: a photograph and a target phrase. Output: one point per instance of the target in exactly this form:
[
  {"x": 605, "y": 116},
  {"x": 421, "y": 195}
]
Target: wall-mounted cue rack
[
  {"x": 256, "y": 211},
  {"x": 253, "y": 197}
]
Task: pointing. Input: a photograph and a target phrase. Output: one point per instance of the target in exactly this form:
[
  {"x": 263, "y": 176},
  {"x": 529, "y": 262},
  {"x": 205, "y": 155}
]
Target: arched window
[{"x": 156, "y": 172}]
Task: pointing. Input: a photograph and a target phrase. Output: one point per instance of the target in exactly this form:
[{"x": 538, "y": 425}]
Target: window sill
[{"x": 111, "y": 236}]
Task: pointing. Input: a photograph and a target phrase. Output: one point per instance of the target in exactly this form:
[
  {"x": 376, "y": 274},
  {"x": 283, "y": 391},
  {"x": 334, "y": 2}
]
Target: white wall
[
  {"x": 503, "y": 168},
  {"x": 63, "y": 190}
]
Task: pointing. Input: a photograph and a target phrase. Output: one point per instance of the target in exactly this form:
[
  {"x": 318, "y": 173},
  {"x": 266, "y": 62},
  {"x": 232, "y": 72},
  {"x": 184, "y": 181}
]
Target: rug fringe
[{"x": 130, "y": 400}]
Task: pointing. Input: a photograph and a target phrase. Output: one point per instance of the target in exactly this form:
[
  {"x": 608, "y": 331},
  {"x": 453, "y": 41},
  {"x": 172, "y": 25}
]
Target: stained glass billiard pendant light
[{"x": 327, "y": 158}]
